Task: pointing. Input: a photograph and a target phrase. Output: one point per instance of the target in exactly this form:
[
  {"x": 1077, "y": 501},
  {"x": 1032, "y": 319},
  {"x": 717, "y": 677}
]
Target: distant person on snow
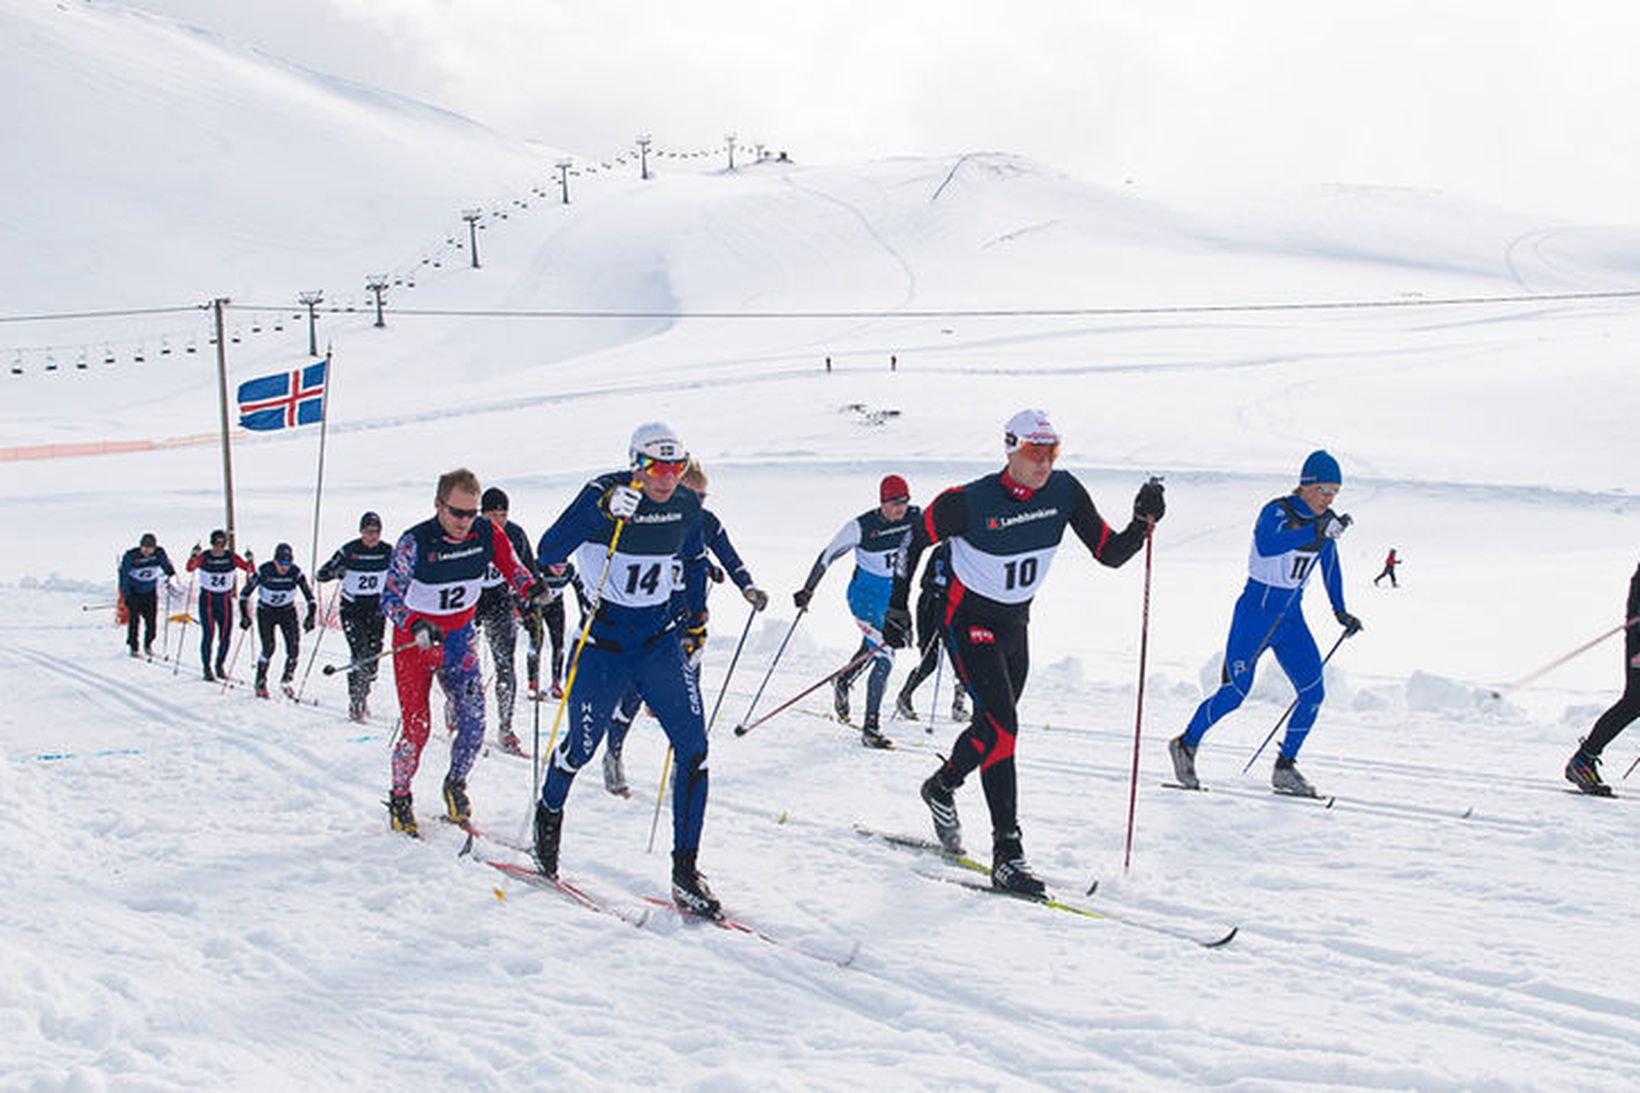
[
  {"x": 276, "y": 584},
  {"x": 875, "y": 536},
  {"x": 430, "y": 596},
  {"x": 1583, "y": 769},
  {"x": 497, "y": 616},
  {"x": 936, "y": 579},
  {"x": 1390, "y": 562},
  {"x": 697, "y": 571},
  {"x": 1004, "y": 530},
  {"x": 139, "y": 573},
  {"x": 1291, "y": 537},
  {"x": 634, "y": 528},
  {"x": 218, "y": 573},
  {"x": 361, "y": 565}
]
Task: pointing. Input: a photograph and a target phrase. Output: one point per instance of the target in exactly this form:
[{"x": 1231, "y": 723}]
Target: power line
[
  {"x": 119, "y": 314},
  {"x": 1005, "y": 313}
]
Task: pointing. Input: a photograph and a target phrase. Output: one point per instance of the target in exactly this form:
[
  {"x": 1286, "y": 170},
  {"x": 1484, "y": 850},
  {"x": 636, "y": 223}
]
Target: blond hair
[
  {"x": 460, "y": 478},
  {"x": 694, "y": 475}
]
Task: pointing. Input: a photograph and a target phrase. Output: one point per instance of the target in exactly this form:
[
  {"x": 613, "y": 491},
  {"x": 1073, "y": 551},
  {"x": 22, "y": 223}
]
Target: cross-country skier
[
  {"x": 875, "y": 536},
  {"x": 430, "y": 596},
  {"x": 497, "y": 616},
  {"x": 936, "y": 579},
  {"x": 361, "y": 565},
  {"x": 1004, "y": 530},
  {"x": 1391, "y": 560},
  {"x": 697, "y": 572},
  {"x": 1583, "y": 769},
  {"x": 217, "y": 575},
  {"x": 1292, "y": 537},
  {"x": 630, "y": 531},
  {"x": 276, "y": 584},
  {"x": 139, "y": 573}
]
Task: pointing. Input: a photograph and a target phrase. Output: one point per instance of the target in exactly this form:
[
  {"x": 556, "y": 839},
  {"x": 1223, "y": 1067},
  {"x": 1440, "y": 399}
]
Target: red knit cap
[{"x": 893, "y": 489}]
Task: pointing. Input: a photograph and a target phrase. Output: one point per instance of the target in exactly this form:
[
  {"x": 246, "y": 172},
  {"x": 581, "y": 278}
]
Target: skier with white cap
[
  {"x": 637, "y": 529},
  {"x": 1292, "y": 537},
  {"x": 1004, "y": 530}
]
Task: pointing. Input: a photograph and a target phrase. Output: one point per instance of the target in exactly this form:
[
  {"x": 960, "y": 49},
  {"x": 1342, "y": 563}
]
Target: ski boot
[
  {"x": 400, "y": 814},
  {"x": 1583, "y": 771},
  {"x": 1009, "y": 873},
  {"x": 357, "y": 712},
  {"x": 133, "y": 652},
  {"x": 1286, "y": 779},
  {"x": 222, "y": 669},
  {"x": 904, "y": 708},
  {"x": 689, "y": 889},
  {"x": 510, "y": 742},
  {"x": 262, "y": 683},
  {"x": 1184, "y": 762},
  {"x": 839, "y": 699},
  {"x": 959, "y": 708},
  {"x": 615, "y": 773},
  {"x": 872, "y": 737},
  {"x": 456, "y": 805},
  {"x": 549, "y": 828},
  {"x": 207, "y": 676},
  {"x": 942, "y": 807}
]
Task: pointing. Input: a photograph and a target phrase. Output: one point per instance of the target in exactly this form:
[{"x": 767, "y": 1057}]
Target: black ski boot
[
  {"x": 871, "y": 736},
  {"x": 1009, "y": 873},
  {"x": 904, "y": 708},
  {"x": 1286, "y": 779},
  {"x": 401, "y": 815},
  {"x": 839, "y": 699},
  {"x": 456, "y": 805},
  {"x": 208, "y": 677},
  {"x": 942, "y": 807},
  {"x": 689, "y": 889},
  {"x": 1583, "y": 771},
  {"x": 549, "y": 827}
]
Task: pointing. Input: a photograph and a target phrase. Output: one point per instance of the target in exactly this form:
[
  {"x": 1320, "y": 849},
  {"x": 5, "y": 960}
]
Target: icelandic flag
[{"x": 283, "y": 400}]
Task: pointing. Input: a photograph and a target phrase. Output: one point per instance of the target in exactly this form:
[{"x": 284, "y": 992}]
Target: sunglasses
[
  {"x": 1327, "y": 491},
  {"x": 896, "y": 500},
  {"x": 1038, "y": 451},
  {"x": 459, "y": 514},
  {"x": 662, "y": 468}
]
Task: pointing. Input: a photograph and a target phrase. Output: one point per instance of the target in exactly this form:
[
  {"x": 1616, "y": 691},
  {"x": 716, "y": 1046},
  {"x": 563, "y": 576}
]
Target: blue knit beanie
[{"x": 1320, "y": 467}]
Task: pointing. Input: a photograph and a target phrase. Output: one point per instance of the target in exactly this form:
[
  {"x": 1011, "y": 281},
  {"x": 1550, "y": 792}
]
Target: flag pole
[
  {"x": 319, "y": 483},
  {"x": 222, "y": 400}
]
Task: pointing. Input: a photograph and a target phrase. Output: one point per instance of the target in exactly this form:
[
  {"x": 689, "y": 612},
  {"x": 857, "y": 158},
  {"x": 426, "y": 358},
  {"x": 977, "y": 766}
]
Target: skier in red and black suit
[
  {"x": 430, "y": 595},
  {"x": 217, "y": 576},
  {"x": 1004, "y": 529}
]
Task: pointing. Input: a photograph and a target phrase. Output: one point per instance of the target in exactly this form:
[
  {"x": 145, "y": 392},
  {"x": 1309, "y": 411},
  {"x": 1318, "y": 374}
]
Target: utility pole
[
  {"x": 377, "y": 284},
  {"x": 222, "y": 400},
  {"x": 311, "y": 300},
  {"x": 563, "y": 166},
  {"x": 761, "y": 154},
  {"x": 643, "y": 155},
  {"x": 729, "y": 139},
  {"x": 472, "y": 217}
]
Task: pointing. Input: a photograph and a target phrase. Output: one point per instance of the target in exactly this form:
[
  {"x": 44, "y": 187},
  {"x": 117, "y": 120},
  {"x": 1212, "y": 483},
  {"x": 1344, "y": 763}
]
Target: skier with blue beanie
[{"x": 1291, "y": 538}]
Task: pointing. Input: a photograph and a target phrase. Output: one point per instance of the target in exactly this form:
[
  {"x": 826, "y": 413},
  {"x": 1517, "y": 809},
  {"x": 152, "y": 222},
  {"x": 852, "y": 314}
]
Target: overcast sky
[{"x": 1528, "y": 105}]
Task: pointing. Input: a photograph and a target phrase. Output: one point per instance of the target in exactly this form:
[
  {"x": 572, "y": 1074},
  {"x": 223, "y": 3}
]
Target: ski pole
[
  {"x": 666, "y": 764},
  {"x": 182, "y": 638},
  {"x": 363, "y": 662},
  {"x": 1139, "y": 705},
  {"x": 864, "y": 655},
  {"x": 324, "y": 624},
  {"x": 99, "y": 606},
  {"x": 934, "y": 703},
  {"x": 1630, "y": 771},
  {"x": 243, "y": 630},
  {"x": 580, "y": 643},
  {"x": 1291, "y": 707},
  {"x": 1553, "y": 664},
  {"x": 778, "y": 653}
]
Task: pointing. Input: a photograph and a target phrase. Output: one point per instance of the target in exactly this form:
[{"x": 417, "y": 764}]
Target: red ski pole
[{"x": 1139, "y": 709}]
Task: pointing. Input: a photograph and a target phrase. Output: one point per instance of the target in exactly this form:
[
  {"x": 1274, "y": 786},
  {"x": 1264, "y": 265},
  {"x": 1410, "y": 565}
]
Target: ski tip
[
  {"x": 1220, "y": 943},
  {"x": 1093, "y": 887},
  {"x": 1331, "y": 801}
]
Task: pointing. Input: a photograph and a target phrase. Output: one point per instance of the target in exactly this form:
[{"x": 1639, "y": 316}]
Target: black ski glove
[
  {"x": 1352, "y": 625},
  {"x": 897, "y": 627},
  {"x": 802, "y": 596},
  {"x": 312, "y": 618},
  {"x": 427, "y": 634},
  {"x": 244, "y": 617},
  {"x": 1149, "y": 504}
]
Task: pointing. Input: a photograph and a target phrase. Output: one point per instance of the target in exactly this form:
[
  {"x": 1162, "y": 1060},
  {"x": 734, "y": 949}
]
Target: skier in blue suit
[
  {"x": 635, "y": 639},
  {"x": 1293, "y": 536}
]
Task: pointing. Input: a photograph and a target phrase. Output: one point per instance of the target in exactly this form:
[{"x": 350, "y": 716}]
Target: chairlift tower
[
  {"x": 311, "y": 300},
  {"x": 643, "y": 155},
  {"x": 377, "y": 284},
  {"x": 563, "y": 166},
  {"x": 472, "y": 217}
]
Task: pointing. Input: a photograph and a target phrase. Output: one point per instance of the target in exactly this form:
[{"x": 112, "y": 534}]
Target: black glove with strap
[
  {"x": 802, "y": 596},
  {"x": 1352, "y": 625},
  {"x": 1149, "y": 503},
  {"x": 427, "y": 634},
  {"x": 897, "y": 627},
  {"x": 312, "y": 617}
]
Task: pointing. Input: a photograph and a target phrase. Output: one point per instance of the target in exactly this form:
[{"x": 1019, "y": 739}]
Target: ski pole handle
[{"x": 332, "y": 669}]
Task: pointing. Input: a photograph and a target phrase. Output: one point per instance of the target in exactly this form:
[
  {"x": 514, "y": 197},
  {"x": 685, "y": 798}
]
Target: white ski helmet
[
  {"x": 1028, "y": 427},
  {"x": 656, "y": 440}
]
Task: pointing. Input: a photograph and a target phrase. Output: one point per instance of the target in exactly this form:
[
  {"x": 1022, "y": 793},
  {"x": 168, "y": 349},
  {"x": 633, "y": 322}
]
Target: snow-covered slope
[{"x": 199, "y": 890}]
